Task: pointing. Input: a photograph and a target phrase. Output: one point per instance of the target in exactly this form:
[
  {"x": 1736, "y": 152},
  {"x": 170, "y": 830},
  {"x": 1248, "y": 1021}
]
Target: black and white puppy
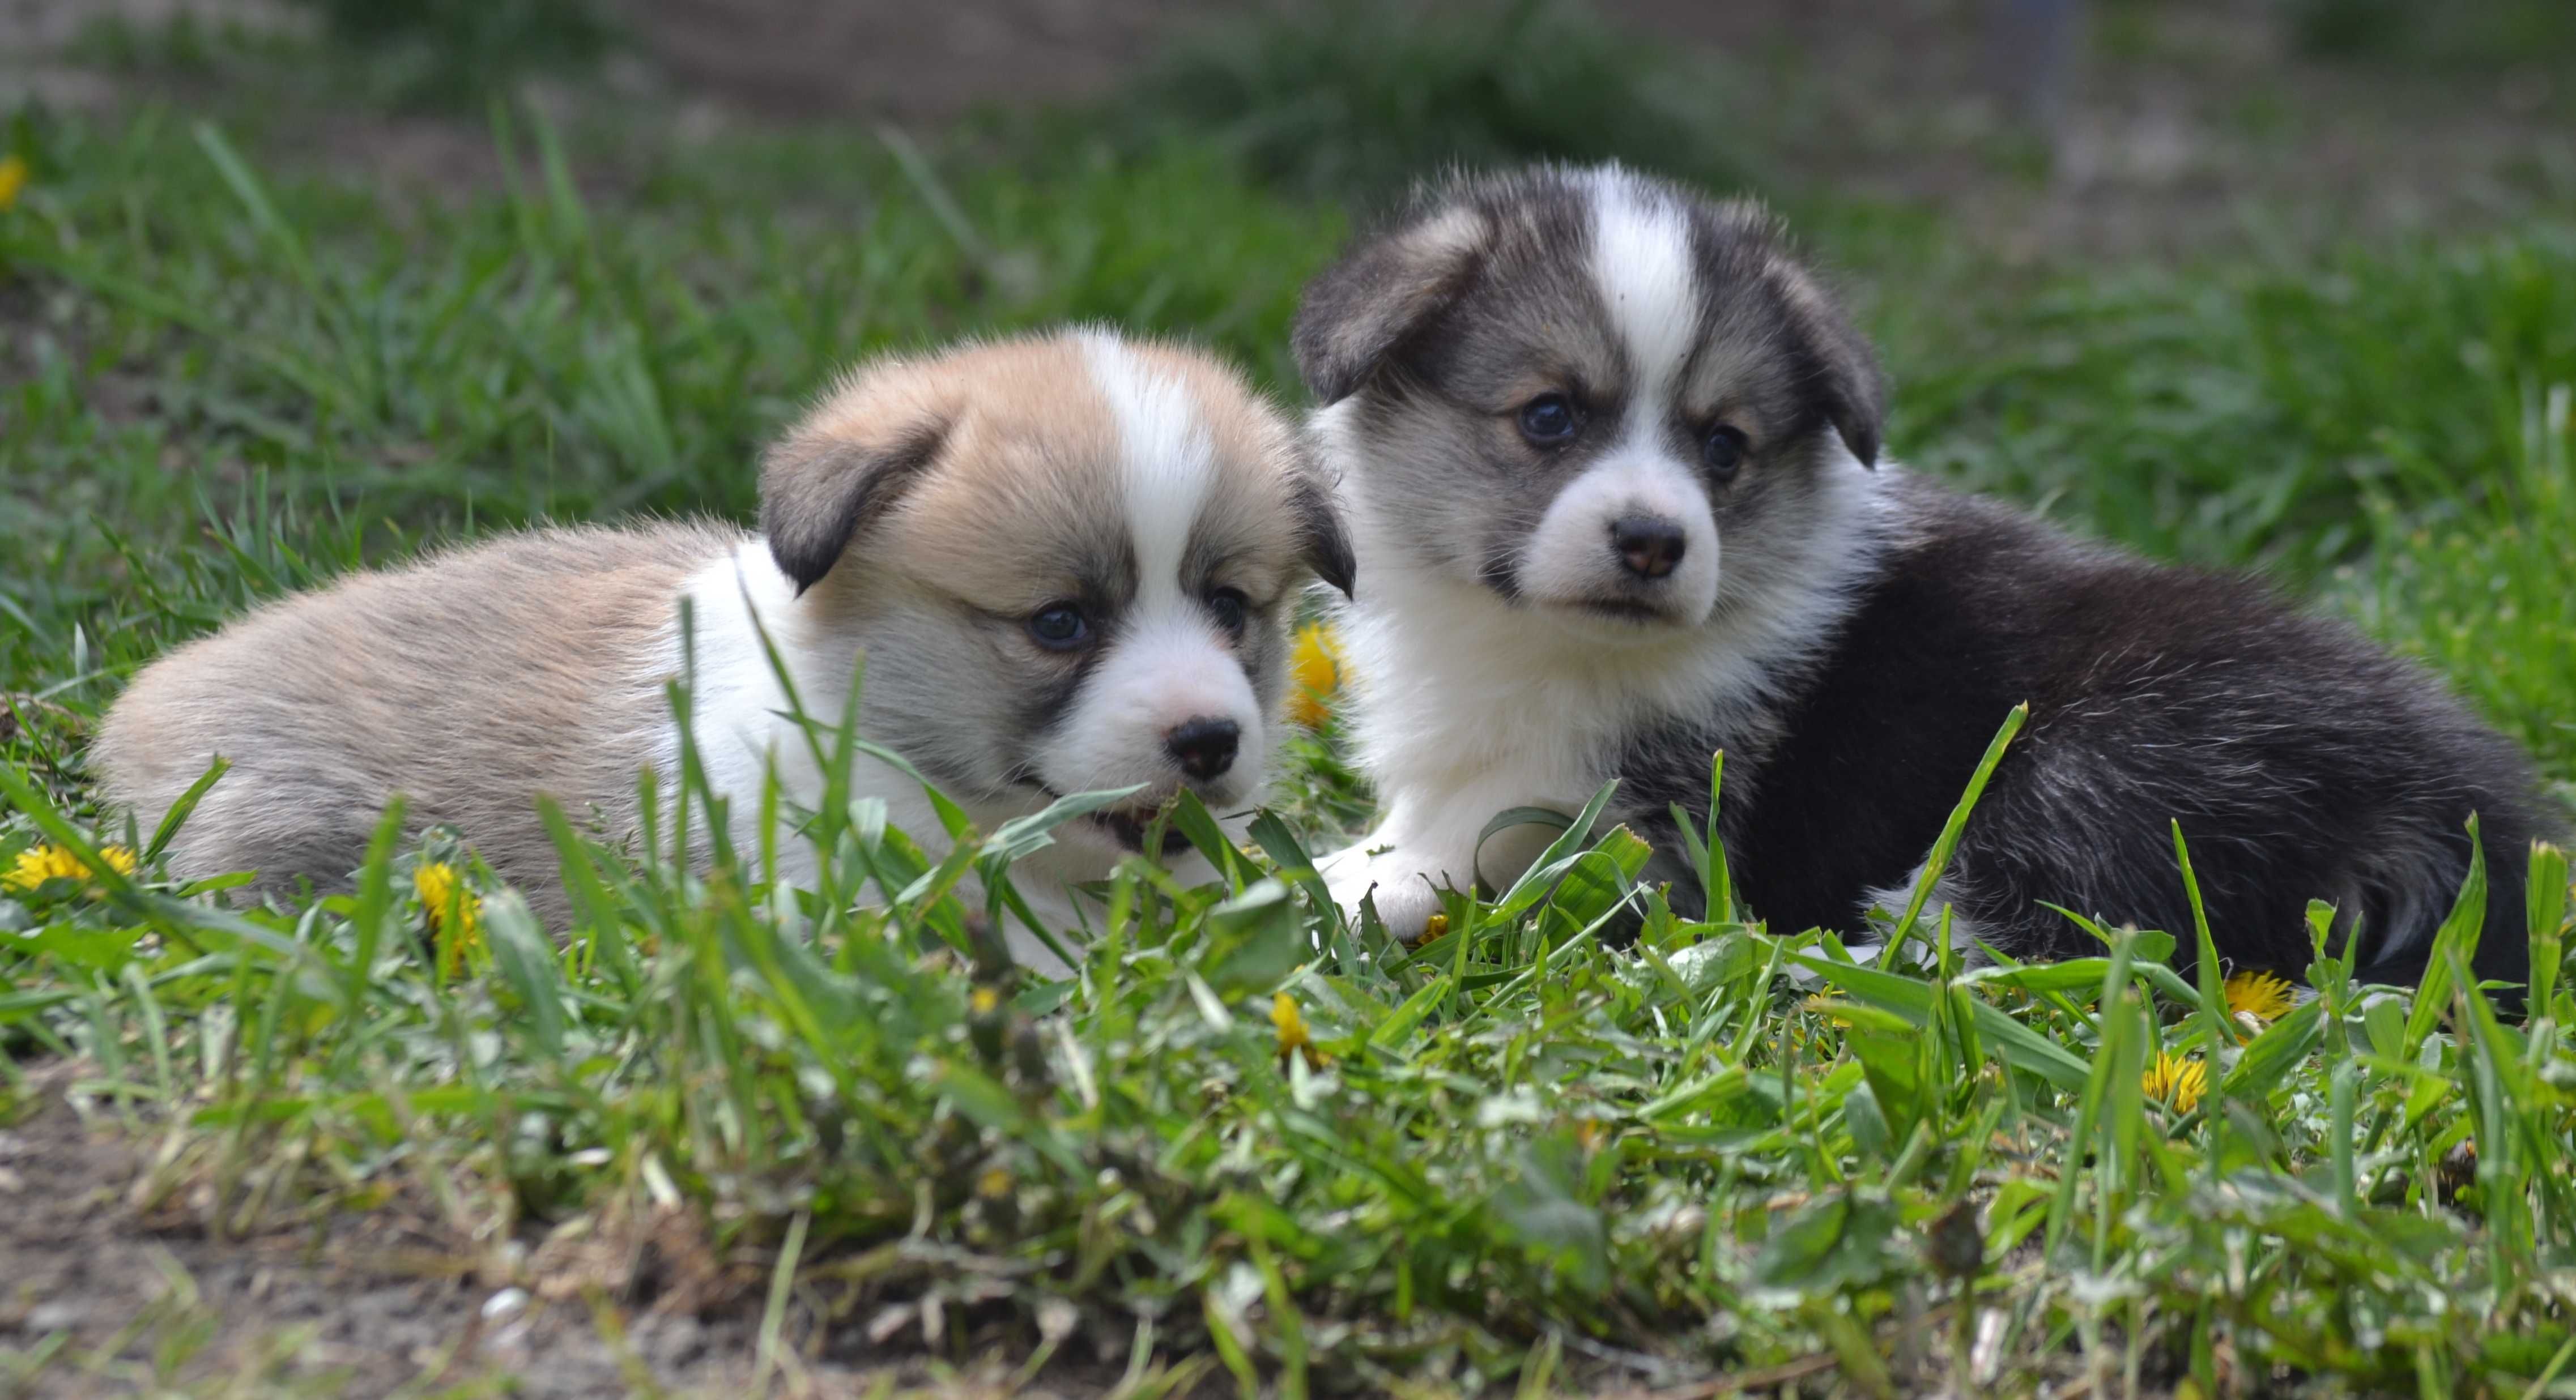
[{"x": 1611, "y": 458}]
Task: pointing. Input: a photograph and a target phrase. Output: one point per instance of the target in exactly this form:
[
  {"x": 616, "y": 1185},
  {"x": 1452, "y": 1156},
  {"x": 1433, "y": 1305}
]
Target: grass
[
  {"x": 1248, "y": 1145},
  {"x": 1361, "y": 100},
  {"x": 2479, "y": 36}
]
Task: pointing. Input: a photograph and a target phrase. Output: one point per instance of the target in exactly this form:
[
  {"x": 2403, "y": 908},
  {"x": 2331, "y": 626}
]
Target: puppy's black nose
[
  {"x": 1204, "y": 745},
  {"x": 1648, "y": 544}
]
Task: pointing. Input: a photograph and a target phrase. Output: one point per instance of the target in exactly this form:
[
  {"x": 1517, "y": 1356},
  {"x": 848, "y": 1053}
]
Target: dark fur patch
[
  {"x": 1327, "y": 543},
  {"x": 1756, "y": 288},
  {"x": 1363, "y": 308},
  {"x": 2301, "y": 761},
  {"x": 819, "y": 491}
]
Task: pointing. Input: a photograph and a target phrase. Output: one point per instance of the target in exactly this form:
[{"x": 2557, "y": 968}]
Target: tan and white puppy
[{"x": 1069, "y": 560}]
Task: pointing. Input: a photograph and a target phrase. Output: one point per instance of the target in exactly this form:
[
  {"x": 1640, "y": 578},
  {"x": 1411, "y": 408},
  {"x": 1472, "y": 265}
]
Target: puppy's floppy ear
[
  {"x": 1359, "y": 310},
  {"x": 1855, "y": 391},
  {"x": 1843, "y": 369},
  {"x": 820, "y": 487},
  {"x": 1319, "y": 525}
]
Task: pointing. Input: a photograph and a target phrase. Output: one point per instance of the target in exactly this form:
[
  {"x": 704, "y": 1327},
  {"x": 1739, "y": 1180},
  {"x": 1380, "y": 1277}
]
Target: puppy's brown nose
[
  {"x": 1204, "y": 746},
  {"x": 1649, "y": 545}
]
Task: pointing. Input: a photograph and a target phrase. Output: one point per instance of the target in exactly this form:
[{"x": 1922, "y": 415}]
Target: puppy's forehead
[
  {"x": 1535, "y": 318},
  {"x": 1620, "y": 284},
  {"x": 1205, "y": 466},
  {"x": 1641, "y": 261},
  {"x": 1086, "y": 459}
]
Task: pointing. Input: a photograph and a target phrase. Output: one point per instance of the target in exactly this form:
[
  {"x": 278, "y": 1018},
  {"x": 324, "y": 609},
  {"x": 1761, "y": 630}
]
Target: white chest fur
[
  {"x": 1466, "y": 706},
  {"x": 744, "y": 722}
]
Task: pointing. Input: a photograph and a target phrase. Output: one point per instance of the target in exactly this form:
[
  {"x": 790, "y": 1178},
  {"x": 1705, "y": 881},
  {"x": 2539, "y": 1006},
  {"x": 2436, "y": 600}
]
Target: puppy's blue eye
[
  {"x": 1232, "y": 610},
  {"x": 1723, "y": 453},
  {"x": 1548, "y": 419},
  {"x": 1059, "y": 627}
]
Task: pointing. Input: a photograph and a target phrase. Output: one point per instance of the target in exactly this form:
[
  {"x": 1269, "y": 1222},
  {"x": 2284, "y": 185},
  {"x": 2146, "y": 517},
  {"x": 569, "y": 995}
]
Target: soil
[{"x": 105, "y": 1290}]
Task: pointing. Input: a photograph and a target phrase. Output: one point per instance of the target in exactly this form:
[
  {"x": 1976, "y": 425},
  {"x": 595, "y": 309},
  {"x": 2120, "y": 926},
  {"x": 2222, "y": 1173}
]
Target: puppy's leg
[
  {"x": 1430, "y": 843},
  {"x": 1393, "y": 866}
]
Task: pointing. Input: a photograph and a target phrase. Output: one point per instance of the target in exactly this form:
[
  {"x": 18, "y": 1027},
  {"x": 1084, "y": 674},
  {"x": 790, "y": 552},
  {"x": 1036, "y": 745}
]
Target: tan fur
[
  {"x": 468, "y": 682},
  {"x": 1027, "y": 455}
]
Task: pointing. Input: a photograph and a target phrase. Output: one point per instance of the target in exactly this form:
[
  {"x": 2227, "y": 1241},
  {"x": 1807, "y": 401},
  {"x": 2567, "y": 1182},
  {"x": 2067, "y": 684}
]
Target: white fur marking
[
  {"x": 1568, "y": 558},
  {"x": 1965, "y": 933},
  {"x": 1641, "y": 262},
  {"x": 1166, "y": 456},
  {"x": 743, "y": 726},
  {"x": 736, "y": 703}
]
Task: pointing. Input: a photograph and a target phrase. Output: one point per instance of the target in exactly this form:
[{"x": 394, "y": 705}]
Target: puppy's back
[{"x": 470, "y": 682}]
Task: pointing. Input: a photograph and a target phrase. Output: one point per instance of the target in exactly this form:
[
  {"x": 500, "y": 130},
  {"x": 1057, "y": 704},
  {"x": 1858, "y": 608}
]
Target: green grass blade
[
  {"x": 2205, "y": 968},
  {"x": 1947, "y": 844},
  {"x": 2458, "y": 933},
  {"x": 177, "y": 816}
]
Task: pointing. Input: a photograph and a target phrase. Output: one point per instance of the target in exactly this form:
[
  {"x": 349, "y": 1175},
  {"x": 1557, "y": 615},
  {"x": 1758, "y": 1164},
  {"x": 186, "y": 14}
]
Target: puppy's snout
[
  {"x": 1204, "y": 745},
  {"x": 1649, "y": 546}
]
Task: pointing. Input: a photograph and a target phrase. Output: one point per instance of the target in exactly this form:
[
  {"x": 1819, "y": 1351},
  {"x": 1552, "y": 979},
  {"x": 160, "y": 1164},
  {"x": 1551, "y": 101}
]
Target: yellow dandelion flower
[
  {"x": 2176, "y": 1081},
  {"x": 994, "y": 1184},
  {"x": 983, "y": 1000},
  {"x": 1434, "y": 926},
  {"x": 2261, "y": 995},
  {"x": 1315, "y": 672},
  {"x": 13, "y": 178},
  {"x": 37, "y": 864},
  {"x": 441, "y": 890},
  {"x": 1290, "y": 1019}
]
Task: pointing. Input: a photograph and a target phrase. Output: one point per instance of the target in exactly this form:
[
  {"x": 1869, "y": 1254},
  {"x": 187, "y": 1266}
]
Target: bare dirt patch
[{"x": 104, "y": 1291}]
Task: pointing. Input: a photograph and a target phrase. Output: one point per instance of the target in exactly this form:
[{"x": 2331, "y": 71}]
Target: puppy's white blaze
[
  {"x": 1166, "y": 458},
  {"x": 1168, "y": 666},
  {"x": 1641, "y": 262}
]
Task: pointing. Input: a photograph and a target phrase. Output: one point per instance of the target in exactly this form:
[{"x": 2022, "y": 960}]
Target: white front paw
[{"x": 1405, "y": 888}]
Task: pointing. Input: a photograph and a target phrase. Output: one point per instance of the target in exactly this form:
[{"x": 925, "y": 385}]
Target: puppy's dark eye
[
  {"x": 1724, "y": 452},
  {"x": 1232, "y": 610},
  {"x": 1059, "y": 627},
  {"x": 1548, "y": 420}
]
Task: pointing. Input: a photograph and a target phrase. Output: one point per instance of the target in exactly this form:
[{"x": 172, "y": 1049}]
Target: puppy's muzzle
[
  {"x": 1648, "y": 546},
  {"x": 1203, "y": 745}
]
